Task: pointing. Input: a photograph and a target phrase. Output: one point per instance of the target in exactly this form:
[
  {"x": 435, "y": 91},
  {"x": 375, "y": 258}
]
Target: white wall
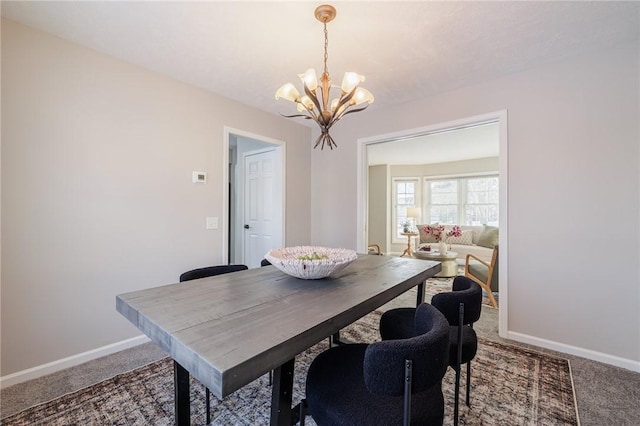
[
  {"x": 97, "y": 198},
  {"x": 574, "y": 192}
]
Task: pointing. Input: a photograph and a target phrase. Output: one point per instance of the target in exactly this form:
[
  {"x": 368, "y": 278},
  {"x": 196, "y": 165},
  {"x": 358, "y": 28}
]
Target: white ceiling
[
  {"x": 460, "y": 144},
  {"x": 407, "y": 50}
]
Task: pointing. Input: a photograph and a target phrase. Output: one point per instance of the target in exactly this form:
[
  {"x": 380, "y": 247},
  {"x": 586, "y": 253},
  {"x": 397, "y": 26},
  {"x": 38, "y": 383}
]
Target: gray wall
[
  {"x": 97, "y": 198},
  {"x": 573, "y": 192},
  {"x": 378, "y": 206}
]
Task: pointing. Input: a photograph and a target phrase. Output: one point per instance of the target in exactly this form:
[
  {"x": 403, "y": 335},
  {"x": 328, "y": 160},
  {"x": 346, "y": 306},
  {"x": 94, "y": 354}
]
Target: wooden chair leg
[{"x": 492, "y": 299}]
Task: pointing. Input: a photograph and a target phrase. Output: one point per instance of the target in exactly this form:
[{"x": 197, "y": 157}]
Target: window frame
[
  {"x": 395, "y": 238},
  {"x": 462, "y": 180}
]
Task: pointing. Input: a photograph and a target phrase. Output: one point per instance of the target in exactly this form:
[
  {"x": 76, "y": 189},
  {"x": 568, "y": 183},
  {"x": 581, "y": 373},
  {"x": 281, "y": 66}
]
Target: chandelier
[{"x": 326, "y": 113}]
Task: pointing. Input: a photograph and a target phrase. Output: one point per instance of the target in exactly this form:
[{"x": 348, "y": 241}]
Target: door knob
[{"x": 246, "y": 226}]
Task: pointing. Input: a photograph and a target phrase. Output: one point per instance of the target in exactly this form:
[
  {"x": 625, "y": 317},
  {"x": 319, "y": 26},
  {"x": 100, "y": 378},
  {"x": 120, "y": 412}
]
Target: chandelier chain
[{"x": 326, "y": 45}]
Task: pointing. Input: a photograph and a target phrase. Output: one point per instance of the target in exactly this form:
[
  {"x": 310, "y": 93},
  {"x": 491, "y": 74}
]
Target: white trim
[
  {"x": 628, "y": 364},
  {"x": 362, "y": 180},
  {"x": 71, "y": 361},
  {"x": 281, "y": 149},
  {"x": 503, "y": 253}
]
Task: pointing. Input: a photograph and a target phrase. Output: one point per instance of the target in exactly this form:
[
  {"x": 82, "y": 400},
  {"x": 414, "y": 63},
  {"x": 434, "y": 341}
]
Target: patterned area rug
[{"x": 510, "y": 386}]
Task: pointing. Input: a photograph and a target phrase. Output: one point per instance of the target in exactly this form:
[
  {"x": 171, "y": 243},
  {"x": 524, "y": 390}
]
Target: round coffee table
[{"x": 448, "y": 261}]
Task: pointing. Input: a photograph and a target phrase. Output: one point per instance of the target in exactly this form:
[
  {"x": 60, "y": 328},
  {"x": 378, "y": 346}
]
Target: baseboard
[
  {"x": 61, "y": 364},
  {"x": 628, "y": 364}
]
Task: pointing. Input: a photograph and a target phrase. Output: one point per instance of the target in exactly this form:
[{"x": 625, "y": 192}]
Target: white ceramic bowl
[{"x": 331, "y": 260}]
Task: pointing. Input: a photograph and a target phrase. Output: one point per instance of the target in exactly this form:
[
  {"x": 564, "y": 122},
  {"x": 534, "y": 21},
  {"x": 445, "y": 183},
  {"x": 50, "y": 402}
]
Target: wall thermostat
[{"x": 199, "y": 177}]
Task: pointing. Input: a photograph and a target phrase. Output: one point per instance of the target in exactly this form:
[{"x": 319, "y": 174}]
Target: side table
[{"x": 408, "y": 251}]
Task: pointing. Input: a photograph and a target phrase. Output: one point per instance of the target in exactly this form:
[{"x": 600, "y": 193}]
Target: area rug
[{"x": 510, "y": 386}]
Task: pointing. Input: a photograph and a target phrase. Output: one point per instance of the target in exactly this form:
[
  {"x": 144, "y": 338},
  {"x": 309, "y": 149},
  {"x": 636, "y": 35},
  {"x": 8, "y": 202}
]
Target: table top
[
  {"x": 231, "y": 329},
  {"x": 434, "y": 255}
]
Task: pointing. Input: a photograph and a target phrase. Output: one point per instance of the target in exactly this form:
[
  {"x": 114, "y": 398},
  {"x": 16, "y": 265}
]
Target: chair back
[
  {"x": 210, "y": 271},
  {"x": 264, "y": 262},
  {"x": 464, "y": 291},
  {"x": 384, "y": 362}
]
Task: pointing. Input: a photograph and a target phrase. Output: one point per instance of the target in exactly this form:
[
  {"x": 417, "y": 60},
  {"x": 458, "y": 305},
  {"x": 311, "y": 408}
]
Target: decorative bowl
[{"x": 310, "y": 262}]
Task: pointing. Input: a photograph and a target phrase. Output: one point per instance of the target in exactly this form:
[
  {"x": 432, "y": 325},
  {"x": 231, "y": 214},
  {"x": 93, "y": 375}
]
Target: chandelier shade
[{"x": 315, "y": 104}]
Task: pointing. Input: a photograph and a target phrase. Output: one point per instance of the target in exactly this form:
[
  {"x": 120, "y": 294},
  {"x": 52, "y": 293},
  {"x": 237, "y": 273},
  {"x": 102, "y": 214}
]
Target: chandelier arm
[
  {"x": 297, "y": 115},
  {"x": 350, "y": 111},
  {"x": 313, "y": 115},
  {"x": 332, "y": 143},
  {"x": 346, "y": 98},
  {"x": 318, "y": 141},
  {"x": 313, "y": 97}
]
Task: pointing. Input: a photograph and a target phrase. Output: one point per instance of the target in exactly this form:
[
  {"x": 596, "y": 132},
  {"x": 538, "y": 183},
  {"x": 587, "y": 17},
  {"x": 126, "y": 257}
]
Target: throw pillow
[
  {"x": 465, "y": 239},
  {"x": 489, "y": 237},
  {"x": 424, "y": 237}
]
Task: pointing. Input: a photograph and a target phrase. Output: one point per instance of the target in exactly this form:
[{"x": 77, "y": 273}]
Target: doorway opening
[
  {"x": 396, "y": 140},
  {"x": 254, "y": 196}
]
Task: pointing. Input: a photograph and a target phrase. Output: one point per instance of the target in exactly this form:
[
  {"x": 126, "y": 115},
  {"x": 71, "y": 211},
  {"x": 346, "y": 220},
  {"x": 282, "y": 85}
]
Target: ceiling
[
  {"x": 407, "y": 50},
  {"x": 460, "y": 144}
]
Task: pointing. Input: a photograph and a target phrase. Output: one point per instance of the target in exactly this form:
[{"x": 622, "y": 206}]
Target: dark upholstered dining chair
[
  {"x": 264, "y": 262},
  {"x": 394, "y": 382},
  {"x": 460, "y": 306},
  {"x": 210, "y": 271}
]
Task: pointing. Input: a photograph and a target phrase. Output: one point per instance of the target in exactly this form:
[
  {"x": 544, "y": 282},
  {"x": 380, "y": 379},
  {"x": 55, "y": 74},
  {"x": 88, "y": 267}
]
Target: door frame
[
  {"x": 363, "y": 179},
  {"x": 280, "y": 148}
]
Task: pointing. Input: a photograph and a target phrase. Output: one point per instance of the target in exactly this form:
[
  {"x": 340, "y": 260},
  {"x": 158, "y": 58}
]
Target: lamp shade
[
  {"x": 288, "y": 92},
  {"x": 362, "y": 95},
  {"x": 350, "y": 81},
  {"x": 414, "y": 212},
  {"x": 309, "y": 79}
]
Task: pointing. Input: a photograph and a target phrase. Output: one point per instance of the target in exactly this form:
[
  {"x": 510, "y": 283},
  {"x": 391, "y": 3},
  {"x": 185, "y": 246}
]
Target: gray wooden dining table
[{"x": 230, "y": 329}]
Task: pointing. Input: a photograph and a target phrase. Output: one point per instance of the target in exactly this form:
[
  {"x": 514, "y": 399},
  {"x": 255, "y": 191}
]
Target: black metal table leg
[
  {"x": 281, "y": 396},
  {"x": 181, "y": 395},
  {"x": 420, "y": 297}
]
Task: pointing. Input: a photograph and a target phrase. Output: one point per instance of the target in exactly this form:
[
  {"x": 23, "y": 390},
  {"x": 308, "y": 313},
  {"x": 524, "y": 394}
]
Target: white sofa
[{"x": 483, "y": 238}]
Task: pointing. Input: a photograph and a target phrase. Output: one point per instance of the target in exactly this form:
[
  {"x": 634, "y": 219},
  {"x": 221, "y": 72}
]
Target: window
[
  {"x": 443, "y": 206},
  {"x": 482, "y": 201},
  {"x": 405, "y": 195},
  {"x": 463, "y": 201}
]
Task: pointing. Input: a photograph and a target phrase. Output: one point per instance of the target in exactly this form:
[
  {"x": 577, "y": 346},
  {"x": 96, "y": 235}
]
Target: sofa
[{"x": 476, "y": 240}]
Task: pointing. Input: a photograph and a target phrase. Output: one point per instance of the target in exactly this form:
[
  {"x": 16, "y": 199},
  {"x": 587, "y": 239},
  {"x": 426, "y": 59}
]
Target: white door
[{"x": 262, "y": 206}]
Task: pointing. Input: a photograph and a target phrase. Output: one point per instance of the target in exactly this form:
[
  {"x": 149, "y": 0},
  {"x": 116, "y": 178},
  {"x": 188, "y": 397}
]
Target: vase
[{"x": 442, "y": 247}]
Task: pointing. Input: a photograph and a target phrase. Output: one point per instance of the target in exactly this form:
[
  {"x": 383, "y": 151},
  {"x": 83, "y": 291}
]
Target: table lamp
[{"x": 414, "y": 214}]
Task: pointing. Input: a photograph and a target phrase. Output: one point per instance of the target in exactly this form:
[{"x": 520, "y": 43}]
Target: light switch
[{"x": 212, "y": 223}]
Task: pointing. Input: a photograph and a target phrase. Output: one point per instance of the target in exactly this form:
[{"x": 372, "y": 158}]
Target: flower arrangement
[{"x": 437, "y": 232}]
